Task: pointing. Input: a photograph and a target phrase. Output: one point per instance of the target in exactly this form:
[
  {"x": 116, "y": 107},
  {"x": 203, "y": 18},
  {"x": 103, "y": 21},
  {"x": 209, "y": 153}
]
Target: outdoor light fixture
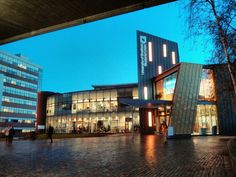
[
  {"x": 164, "y": 50},
  {"x": 145, "y": 90},
  {"x": 149, "y": 51},
  {"x": 150, "y": 119}
]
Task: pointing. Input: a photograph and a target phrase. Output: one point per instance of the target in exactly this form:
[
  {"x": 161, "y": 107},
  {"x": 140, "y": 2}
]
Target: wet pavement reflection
[{"x": 116, "y": 155}]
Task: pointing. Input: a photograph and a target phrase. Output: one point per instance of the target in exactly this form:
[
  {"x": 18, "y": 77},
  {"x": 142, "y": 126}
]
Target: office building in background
[{"x": 20, "y": 80}]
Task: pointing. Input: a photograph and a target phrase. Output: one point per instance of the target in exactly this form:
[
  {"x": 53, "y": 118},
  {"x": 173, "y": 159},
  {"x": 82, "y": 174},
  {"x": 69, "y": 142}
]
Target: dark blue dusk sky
[{"x": 104, "y": 52}]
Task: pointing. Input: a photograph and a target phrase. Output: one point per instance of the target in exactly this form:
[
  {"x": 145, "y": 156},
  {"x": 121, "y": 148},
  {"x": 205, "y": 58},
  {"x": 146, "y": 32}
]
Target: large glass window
[
  {"x": 18, "y": 73},
  {"x": 17, "y": 62},
  {"x": 20, "y": 83},
  {"x": 165, "y": 87},
  {"x": 19, "y": 92},
  {"x": 114, "y": 105},
  {"x": 135, "y": 93},
  {"x": 207, "y": 86},
  {"x": 206, "y": 120},
  {"x": 92, "y": 106},
  {"x": 113, "y": 94},
  {"x": 17, "y": 110},
  {"x": 18, "y": 101}
]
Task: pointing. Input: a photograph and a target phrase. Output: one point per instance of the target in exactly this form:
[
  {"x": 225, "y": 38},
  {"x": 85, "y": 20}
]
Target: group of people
[{"x": 9, "y": 133}]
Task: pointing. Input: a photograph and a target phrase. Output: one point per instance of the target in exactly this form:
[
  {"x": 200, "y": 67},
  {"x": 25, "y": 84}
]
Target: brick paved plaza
[{"x": 117, "y": 155}]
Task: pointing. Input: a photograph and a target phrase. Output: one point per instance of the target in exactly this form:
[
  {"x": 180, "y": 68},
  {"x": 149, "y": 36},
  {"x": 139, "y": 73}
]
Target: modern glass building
[
  {"x": 20, "y": 80},
  {"x": 193, "y": 99},
  {"x": 97, "y": 110}
]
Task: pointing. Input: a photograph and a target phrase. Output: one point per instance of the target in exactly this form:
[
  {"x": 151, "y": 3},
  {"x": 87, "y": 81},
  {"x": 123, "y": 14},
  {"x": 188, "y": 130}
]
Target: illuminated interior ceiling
[{"x": 21, "y": 19}]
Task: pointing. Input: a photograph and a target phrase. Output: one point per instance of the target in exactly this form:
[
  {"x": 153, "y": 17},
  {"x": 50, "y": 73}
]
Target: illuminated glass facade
[
  {"x": 164, "y": 88},
  {"x": 207, "y": 86},
  {"x": 20, "y": 80},
  {"x": 206, "y": 121},
  {"x": 93, "y": 111}
]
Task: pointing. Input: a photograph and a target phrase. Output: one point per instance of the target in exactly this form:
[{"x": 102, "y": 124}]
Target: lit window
[
  {"x": 173, "y": 58},
  {"x": 159, "y": 69},
  {"x": 164, "y": 50},
  {"x": 150, "y": 51},
  {"x": 150, "y": 119},
  {"x": 145, "y": 90}
]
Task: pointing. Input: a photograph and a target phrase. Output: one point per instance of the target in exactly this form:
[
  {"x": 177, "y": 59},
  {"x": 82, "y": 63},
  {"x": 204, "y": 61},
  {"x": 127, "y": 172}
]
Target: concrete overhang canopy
[
  {"x": 139, "y": 103},
  {"x": 20, "y": 19}
]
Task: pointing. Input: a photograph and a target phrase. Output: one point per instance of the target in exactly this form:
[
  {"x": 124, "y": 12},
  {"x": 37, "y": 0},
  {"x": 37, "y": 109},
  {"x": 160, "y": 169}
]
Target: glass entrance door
[
  {"x": 163, "y": 114},
  {"x": 206, "y": 120}
]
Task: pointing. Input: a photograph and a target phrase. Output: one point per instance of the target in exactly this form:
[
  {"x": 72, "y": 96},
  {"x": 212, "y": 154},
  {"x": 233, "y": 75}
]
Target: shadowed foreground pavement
[{"x": 117, "y": 156}]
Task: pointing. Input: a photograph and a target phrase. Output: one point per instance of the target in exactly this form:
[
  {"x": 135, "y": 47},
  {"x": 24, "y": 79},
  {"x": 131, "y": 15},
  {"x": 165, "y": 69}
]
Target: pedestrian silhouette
[
  {"x": 50, "y": 132},
  {"x": 164, "y": 130},
  {"x": 11, "y": 134}
]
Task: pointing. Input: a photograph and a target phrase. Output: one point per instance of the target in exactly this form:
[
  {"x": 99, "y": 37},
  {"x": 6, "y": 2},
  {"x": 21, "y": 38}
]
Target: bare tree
[{"x": 216, "y": 18}]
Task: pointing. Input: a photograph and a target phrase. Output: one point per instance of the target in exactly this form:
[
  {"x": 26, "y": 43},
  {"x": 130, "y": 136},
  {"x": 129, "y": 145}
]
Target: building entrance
[
  {"x": 162, "y": 114},
  {"x": 206, "y": 120}
]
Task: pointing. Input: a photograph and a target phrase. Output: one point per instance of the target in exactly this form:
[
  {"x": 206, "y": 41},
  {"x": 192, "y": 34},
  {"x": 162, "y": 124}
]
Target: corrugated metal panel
[
  {"x": 185, "y": 98},
  {"x": 225, "y": 100}
]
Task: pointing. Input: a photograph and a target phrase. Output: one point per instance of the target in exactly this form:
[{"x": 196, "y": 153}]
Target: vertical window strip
[
  {"x": 159, "y": 69},
  {"x": 173, "y": 58},
  {"x": 150, "y": 51},
  {"x": 150, "y": 119},
  {"x": 164, "y": 50},
  {"x": 145, "y": 90}
]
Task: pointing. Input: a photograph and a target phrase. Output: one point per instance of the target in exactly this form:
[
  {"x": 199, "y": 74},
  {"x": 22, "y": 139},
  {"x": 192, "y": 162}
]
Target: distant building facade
[
  {"x": 20, "y": 80},
  {"x": 193, "y": 99}
]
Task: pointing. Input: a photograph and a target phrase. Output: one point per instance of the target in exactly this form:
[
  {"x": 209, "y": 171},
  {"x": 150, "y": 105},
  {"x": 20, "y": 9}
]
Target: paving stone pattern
[{"x": 119, "y": 155}]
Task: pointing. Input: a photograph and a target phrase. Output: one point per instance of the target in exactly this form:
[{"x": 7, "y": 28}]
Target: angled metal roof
[
  {"x": 115, "y": 86},
  {"x": 26, "y": 18}
]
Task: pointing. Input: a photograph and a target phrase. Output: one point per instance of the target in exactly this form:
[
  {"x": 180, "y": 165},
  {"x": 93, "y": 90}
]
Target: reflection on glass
[
  {"x": 206, "y": 120},
  {"x": 207, "y": 86},
  {"x": 165, "y": 87}
]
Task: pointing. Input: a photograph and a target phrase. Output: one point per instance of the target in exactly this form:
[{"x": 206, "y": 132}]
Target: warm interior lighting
[
  {"x": 150, "y": 119},
  {"x": 159, "y": 69},
  {"x": 149, "y": 51},
  {"x": 164, "y": 50},
  {"x": 145, "y": 91},
  {"x": 173, "y": 58}
]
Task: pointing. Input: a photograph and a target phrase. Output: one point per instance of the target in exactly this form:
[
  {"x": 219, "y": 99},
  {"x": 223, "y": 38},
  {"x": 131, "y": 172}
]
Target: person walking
[
  {"x": 11, "y": 134},
  {"x": 164, "y": 129},
  {"x": 50, "y": 132}
]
